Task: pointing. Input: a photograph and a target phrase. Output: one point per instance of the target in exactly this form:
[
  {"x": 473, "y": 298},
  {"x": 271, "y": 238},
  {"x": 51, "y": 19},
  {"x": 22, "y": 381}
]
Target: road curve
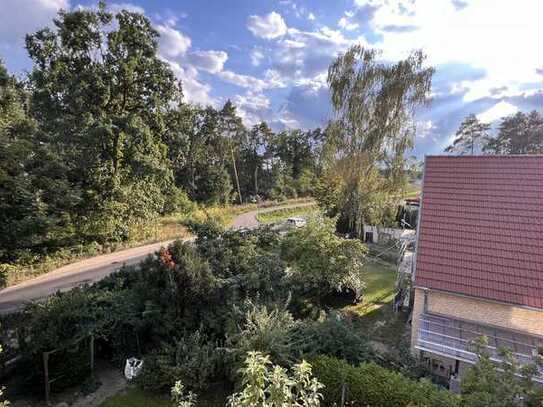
[
  {"x": 248, "y": 220},
  {"x": 95, "y": 268}
]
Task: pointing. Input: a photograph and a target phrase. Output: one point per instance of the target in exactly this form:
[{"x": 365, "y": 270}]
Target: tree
[
  {"x": 266, "y": 385},
  {"x": 503, "y": 384},
  {"x": 373, "y": 129},
  {"x": 198, "y": 155},
  {"x": 254, "y": 153},
  {"x": 101, "y": 94},
  {"x": 233, "y": 130},
  {"x": 34, "y": 190},
  {"x": 470, "y": 136},
  {"x": 520, "y": 133},
  {"x": 322, "y": 263}
]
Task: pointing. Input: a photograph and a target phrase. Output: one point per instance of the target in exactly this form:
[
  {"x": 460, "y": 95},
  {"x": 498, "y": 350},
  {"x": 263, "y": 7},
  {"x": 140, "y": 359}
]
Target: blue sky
[{"x": 270, "y": 56}]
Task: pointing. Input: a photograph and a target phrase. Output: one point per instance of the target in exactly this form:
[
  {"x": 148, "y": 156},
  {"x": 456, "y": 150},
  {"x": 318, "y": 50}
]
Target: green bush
[
  {"x": 179, "y": 202},
  {"x": 371, "y": 385},
  {"x": 267, "y": 330},
  {"x": 4, "y": 269},
  {"x": 321, "y": 263},
  {"x": 210, "y": 228},
  {"x": 334, "y": 337},
  {"x": 193, "y": 359}
]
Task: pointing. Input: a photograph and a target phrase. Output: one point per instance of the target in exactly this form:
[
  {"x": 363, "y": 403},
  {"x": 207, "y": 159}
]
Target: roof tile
[{"x": 481, "y": 227}]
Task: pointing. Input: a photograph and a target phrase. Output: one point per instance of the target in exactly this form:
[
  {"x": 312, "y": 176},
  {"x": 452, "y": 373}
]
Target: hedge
[{"x": 371, "y": 385}]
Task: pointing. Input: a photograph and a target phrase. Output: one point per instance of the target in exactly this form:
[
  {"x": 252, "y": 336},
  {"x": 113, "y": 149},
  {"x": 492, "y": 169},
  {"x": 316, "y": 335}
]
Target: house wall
[
  {"x": 476, "y": 310},
  {"x": 380, "y": 232}
]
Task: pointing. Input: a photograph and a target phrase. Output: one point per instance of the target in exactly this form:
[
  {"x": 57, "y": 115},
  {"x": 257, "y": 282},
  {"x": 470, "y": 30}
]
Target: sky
[{"x": 270, "y": 57}]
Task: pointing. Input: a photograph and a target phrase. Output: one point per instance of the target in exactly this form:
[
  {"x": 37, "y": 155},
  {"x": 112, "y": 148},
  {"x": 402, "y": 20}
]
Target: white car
[{"x": 296, "y": 222}]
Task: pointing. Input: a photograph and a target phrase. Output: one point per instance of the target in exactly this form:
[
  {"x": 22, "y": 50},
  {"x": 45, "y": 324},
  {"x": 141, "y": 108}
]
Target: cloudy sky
[{"x": 270, "y": 56}]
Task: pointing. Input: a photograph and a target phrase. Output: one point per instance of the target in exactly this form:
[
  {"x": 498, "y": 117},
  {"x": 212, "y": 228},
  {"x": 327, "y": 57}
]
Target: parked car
[{"x": 296, "y": 222}]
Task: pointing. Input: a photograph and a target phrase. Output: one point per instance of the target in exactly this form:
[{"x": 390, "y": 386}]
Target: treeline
[
  {"x": 520, "y": 133},
  {"x": 96, "y": 142}
]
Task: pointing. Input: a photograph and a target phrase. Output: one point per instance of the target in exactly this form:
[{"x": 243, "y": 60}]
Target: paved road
[
  {"x": 96, "y": 268},
  {"x": 248, "y": 220}
]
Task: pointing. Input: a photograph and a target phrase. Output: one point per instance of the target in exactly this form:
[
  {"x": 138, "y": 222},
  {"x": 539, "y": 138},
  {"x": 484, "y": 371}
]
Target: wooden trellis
[{"x": 45, "y": 357}]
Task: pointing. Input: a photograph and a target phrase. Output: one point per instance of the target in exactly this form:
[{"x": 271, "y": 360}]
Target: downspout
[
  {"x": 419, "y": 216},
  {"x": 425, "y": 304}
]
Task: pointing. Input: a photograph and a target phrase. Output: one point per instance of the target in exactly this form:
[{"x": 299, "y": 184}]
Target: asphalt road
[
  {"x": 94, "y": 269},
  {"x": 248, "y": 220}
]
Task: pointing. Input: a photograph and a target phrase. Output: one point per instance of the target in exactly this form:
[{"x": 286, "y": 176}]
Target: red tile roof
[{"x": 481, "y": 227}]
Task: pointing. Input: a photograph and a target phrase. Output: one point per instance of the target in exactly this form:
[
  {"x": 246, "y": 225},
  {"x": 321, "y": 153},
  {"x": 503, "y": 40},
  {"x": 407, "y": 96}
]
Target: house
[{"x": 478, "y": 260}]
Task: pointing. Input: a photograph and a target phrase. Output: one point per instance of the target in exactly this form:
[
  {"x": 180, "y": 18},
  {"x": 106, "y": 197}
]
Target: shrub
[
  {"x": 268, "y": 385},
  {"x": 4, "y": 403},
  {"x": 192, "y": 359},
  {"x": 4, "y": 269},
  {"x": 505, "y": 384},
  {"x": 179, "y": 202},
  {"x": 371, "y": 385},
  {"x": 322, "y": 263},
  {"x": 270, "y": 331},
  {"x": 335, "y": 337},
  {"x": 181, "y": 397},
  {"x": 210, "y": 228}
]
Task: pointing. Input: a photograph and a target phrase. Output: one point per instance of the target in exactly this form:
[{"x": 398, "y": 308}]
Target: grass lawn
[
  {"x": 380, "y": 277},
  {"x": 412, "y": 191},
  {"x": 374, "y": 314},
  {"x": 283, "y": 214},
  {"x": 135, "y": 397}
]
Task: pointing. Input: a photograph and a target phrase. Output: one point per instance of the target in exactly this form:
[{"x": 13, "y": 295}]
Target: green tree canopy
[
  {"x": 101, "y": 94},
  {"x": 521, "y": 133},
  {"x": 374, "y": 103},
  {"x": 470, "y": 137}
]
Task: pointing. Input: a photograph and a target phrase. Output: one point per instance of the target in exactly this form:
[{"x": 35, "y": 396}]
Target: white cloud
[
  {"x": 116, "y": 7},
  {"x": 245, "y": 81},
  {"x": 424, "y": 128},
  {"x": 311, "y": 17},
  {"x": 252, "y": 107},
  {"x": 497, "y": 36},
  {"x": 274, "y": 79},
  {"x": 346, "y": 24},
  {"x": 288, "y": 120},
  {"x": 313, "y": 84},
  {"x": 496, "y": 112},
  {"x": 26, "y": 16},
  {"x": 193, "y": 90},
  {"x": 305, "y": 54},
  {"x": 269, "y": 26},
  {"x": 173, "y": 43},
  {"x": 257, "y": 55},
  {"x": 209, "y": 61}
]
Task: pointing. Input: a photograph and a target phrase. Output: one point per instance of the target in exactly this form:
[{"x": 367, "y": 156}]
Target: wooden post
[{"x": 46, "y": 377}]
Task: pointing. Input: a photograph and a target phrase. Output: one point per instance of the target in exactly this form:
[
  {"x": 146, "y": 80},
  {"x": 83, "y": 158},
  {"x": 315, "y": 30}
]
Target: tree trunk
[
  {"x": 256, "y": 180},
  {"x": 236, "y": 174}
]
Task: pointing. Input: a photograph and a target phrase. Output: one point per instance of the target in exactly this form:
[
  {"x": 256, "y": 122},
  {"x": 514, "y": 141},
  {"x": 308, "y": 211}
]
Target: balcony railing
[{"x": 454, "y": 338}]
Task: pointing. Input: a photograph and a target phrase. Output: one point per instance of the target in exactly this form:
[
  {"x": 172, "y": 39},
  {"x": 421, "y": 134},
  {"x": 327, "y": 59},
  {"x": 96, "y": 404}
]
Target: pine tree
[{"x": 470, "y": 137}]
